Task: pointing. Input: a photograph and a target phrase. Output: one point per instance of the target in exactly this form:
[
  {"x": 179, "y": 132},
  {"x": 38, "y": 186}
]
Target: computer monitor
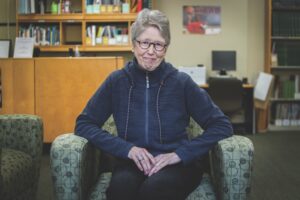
[{"x": 223, "y": 61}]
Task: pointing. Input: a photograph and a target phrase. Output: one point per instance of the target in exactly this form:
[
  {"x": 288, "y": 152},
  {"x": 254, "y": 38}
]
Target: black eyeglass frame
[{"x": 152, "y": 43}]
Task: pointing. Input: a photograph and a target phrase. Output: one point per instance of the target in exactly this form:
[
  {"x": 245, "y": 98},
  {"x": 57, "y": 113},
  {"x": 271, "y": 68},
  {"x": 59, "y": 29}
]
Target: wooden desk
[
  {"x": 244, "y": 86},
  {"x": 248, "y": 126}
]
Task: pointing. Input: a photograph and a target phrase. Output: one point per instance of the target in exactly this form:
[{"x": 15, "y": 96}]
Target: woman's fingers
[
  {"x": 142, "y": 158},
  {"x": 163, "y": 160}
]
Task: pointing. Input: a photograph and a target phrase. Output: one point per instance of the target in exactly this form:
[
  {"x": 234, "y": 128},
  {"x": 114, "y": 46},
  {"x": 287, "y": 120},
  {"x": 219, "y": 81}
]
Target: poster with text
[{"x": 204, "y": 20}]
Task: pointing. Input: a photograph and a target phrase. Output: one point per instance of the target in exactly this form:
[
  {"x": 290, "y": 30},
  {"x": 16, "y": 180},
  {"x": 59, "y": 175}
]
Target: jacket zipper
[{"x": 147, "y": 109}]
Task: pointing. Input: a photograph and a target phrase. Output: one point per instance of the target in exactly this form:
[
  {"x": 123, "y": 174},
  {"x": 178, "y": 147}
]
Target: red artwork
[{"x": 201, "y": 19}]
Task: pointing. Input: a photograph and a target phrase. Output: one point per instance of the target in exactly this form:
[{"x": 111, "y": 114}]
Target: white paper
[
  {"x": 198, "y": 74},
  {"x": 262, "y": 86},
  {"x": 24, "y": 47},
  {"x": 4, "y": 49}
]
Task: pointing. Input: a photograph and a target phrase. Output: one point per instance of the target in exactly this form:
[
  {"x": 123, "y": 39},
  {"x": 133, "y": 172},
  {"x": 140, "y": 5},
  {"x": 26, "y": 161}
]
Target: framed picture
[
  {"x": 5, "y": 48},
  {"x": 205, "y": 20}
]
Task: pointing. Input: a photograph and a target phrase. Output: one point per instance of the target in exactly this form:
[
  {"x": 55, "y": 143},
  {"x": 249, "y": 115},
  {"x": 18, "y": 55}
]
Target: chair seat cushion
[
  {"x": 17, "y": 173},
  {"x": 204, "y": 191}
]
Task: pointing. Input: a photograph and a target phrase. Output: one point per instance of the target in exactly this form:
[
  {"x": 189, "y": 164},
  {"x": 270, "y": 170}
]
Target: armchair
[
  {"x": 21, "y": 141},
  {"x": 75, "y": 165}
]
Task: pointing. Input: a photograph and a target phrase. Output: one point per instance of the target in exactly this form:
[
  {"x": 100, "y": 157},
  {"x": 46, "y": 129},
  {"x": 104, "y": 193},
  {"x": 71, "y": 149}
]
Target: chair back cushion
[
  {"x": 18, "y": 172},
  {"x": 22, "y": 132},
  {"x": 227, "y": 93}
]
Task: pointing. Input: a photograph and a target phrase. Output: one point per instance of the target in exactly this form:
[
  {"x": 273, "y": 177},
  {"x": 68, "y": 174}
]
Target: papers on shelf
[
  {"x": 4, "y": 48},
  {"x": 198, "y": 74},
  {"x": 262, "y": 86},
  {"x": 24, "y": 47}
]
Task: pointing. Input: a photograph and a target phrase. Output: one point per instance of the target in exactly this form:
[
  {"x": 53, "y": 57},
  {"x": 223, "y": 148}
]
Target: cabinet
[
  {"x": 57, "y": 89},
  {"x": 283, "y": 61},
  {"x": 90, "y": 25}
]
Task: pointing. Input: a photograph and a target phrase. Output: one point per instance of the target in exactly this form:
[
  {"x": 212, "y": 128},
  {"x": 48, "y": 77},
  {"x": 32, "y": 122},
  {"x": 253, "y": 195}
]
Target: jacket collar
[{"x": 138, "y": 75}]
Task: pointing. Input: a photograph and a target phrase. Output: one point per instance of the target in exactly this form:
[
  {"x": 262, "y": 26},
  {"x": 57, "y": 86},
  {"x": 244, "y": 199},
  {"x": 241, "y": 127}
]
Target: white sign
[
  {"x": 198, "y": 74},
  {"x": 4, "y": 48},
  {"x": 24, "y": 47},
  {"x": 262, "y": 86}
]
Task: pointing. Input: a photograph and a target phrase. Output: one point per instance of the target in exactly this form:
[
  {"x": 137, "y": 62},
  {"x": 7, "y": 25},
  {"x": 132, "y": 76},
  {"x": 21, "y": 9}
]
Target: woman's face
[{"x": 150, "y": 49}]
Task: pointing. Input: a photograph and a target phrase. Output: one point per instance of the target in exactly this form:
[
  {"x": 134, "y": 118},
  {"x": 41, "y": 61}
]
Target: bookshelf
[
  {"x": 89, "y": 25},
  {"x": 283, "y": 61}
]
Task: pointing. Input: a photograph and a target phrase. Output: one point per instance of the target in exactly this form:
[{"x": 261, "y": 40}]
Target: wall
[
  {"x": 256, "y": 38},
  {"x": 242, "y": 24},
  {"x": 7, "y": 19}
]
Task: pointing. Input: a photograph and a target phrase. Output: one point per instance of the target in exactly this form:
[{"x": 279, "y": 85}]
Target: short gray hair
[{"x": 147, "y": 18}]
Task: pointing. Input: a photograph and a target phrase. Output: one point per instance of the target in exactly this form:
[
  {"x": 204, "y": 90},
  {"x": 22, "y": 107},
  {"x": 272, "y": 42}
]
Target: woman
[{"x": 152, "y": 103}]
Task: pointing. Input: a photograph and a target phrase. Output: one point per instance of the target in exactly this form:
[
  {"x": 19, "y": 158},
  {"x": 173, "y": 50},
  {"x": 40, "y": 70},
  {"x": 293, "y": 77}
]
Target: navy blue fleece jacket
[{"x": 152, "y": 110}]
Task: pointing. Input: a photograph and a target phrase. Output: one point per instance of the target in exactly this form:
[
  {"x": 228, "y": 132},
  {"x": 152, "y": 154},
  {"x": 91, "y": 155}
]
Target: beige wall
[
  {"x": 256, "y": 38},
  {"x": 242, "y": 24},
  {"x": 7, "y": 15}
]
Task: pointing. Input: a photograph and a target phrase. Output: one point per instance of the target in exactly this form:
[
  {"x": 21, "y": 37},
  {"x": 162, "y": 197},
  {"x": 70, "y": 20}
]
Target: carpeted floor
[{"x": 276, "y": 168}]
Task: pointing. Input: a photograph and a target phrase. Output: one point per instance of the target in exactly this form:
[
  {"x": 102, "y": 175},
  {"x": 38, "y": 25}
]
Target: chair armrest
[
  {"x": 232, "y": 164},
  {"x": 22, "y": 132},
  {"x": 74, "y": 166}
]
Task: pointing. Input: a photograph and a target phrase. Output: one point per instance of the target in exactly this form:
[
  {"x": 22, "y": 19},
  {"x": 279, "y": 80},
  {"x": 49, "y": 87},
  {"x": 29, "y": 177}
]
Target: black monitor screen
[{"x": 224, "y": 61}]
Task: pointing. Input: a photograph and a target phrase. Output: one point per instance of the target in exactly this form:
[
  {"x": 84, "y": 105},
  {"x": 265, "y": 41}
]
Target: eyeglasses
[{"x": 146, "y": 44}]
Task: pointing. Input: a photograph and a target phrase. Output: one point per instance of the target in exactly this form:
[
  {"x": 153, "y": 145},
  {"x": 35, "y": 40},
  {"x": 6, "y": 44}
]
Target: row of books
[
  {"x": 106, "y": 35},
  {"x": 287, "y": 114},
  {"x": 133, "y": 5},
  {"x": 26, "y": 6},
  {"x": 286, "y": 24},
  {"x": 104, "y": 2},
  {"x": 287, "y": 87},
  {"x": 287, "y": 52},
  {"x": 285, "y": 3},
  {"x": 139, "y": 3},
  {"x": 44, "y": 6},
  {"x": 44, "y": 35}
]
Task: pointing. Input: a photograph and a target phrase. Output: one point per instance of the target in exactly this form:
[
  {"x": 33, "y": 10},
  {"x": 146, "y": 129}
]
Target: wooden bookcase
[
  {"x": 282, "y": 59},
  {"x": 68, "y": 30}
]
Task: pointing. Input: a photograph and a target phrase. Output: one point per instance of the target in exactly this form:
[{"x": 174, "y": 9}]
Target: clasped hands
[{"x": 149, "y": 164}]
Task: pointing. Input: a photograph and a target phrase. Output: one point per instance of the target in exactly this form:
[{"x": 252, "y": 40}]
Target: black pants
[{"x": 174, "y": 182}]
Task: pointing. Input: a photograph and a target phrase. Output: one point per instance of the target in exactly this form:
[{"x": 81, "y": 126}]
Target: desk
[{"x": 248, "y": 125}]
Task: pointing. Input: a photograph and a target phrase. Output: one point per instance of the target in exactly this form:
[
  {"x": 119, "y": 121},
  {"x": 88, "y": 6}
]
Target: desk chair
[{"x": 227, "y": 93}]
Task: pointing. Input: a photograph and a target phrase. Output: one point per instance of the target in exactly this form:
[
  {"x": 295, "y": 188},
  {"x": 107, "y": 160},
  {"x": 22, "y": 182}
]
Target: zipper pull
[{"x": 147, "y": 80}]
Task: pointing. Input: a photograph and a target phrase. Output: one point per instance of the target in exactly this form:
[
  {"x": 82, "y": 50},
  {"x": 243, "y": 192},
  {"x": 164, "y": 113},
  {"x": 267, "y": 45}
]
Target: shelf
[
  {"x": 286, "y": 38},
  {"x": 77, "y": 28},
  {"x": 110, "y": 17},
  {"x": 98, "y": 48},
  {"x": 285, "y": 69},
  {"x": 283, "y": 39},
  {"x": 272, "y": 127},
  {"x": 286, "y": 8},
  {"x": 284, "y": 100},
  {"x": 50, "y": 17}
]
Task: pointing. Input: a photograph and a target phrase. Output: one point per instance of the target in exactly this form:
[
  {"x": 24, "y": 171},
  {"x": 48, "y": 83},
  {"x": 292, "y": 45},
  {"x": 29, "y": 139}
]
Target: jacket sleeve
[
  {"x": 215, "y": 124},
  {"x": 89, "y": 123}
]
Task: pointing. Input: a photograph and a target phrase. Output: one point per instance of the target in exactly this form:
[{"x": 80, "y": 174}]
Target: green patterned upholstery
[
  {"x": 21, "y": 139},
  {"x": 75, "y": 169}
]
